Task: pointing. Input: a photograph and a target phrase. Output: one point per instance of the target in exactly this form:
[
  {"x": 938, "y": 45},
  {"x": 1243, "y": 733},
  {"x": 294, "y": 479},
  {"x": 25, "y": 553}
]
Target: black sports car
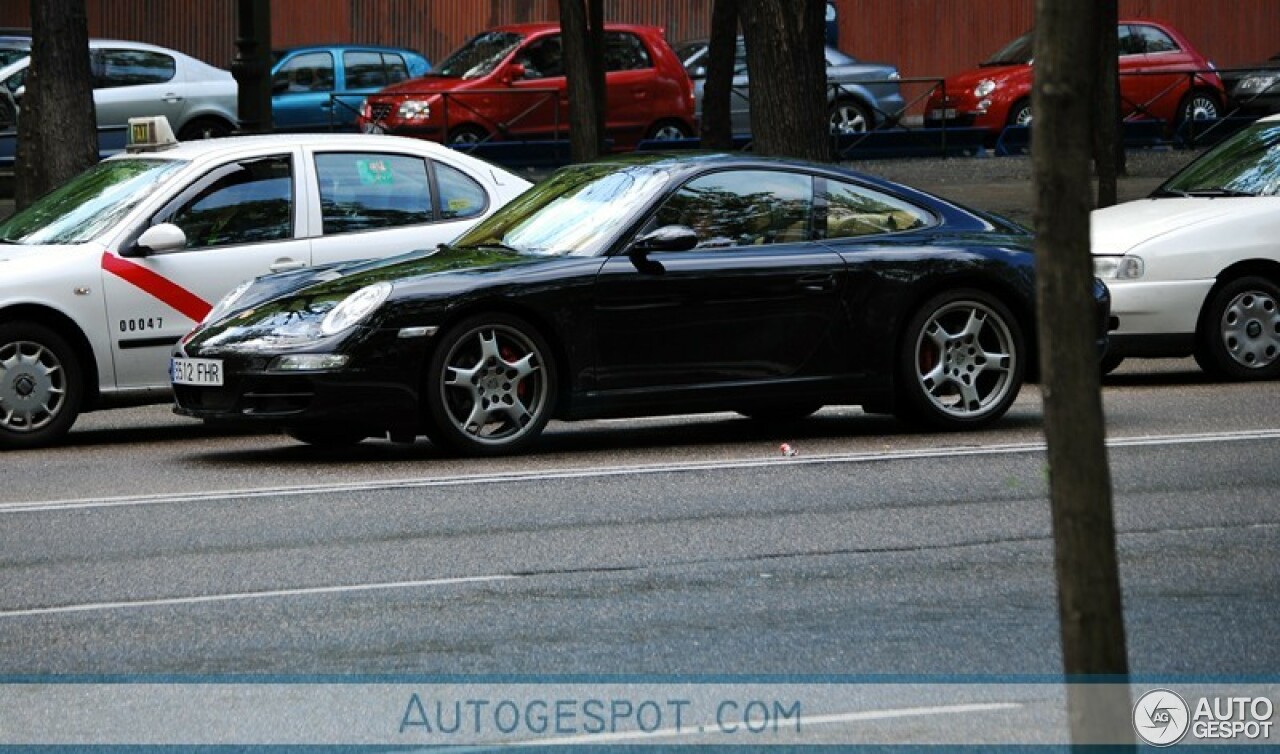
[{"x": 641, "y": 285}]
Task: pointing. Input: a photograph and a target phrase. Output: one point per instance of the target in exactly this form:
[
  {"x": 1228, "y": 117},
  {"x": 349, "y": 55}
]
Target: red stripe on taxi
[{"x": 180, "y": 299}]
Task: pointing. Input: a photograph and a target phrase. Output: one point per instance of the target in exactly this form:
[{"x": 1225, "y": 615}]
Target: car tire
[
  {"x": 204, "y": 128},
  {"x": 668, "y": 130},
  {"x": 466, "y": 136},
  {"x": 961, "y": 362},
  {"x": 490, "y": 386},
  {"x": 781, "y": 414},
  {"x": 327, "y": 437},
  {"x": 1239, "y": 333},
  {"x": 850, "y": 117},
  {"x": 1199, "y": 104},
  {"x": 1019, "y": 113},
  {"x": 41, "y": 386}
]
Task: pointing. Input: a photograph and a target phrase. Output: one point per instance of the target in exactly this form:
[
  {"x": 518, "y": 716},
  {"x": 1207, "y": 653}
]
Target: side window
[
  {"x": 624, "y": 52},
  {"x": 743, "y": 208},
  {"x": 460, "y": 196},
  {"x": 1129, "y": 42},
  {"x": 309, "y": 72},
  {"x": 543, "y": 58},
  {"x": 364, "y": 70},
  {"x": 113, "y": 68},
  {"x": 854, "y": 210},
  {"x": 397, "y": 70},
  {"x": 1155, "y": 40},
  {"x": 250, "y": 201},
  {"x": 368, "y": 190}
]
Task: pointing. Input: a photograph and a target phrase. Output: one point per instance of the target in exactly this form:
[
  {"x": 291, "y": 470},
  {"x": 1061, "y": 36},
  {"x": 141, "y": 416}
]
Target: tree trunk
[
  {"x": 1092, "y": 624},
  {"x": 717, "y": 92},
  {"x": 1108, "y": 146},
  {"x": 57, "y": 128},
  {"x": 788, "y": 78},
  {"x": 252, "y": 67},
  {"x": 584, "y": 71}
]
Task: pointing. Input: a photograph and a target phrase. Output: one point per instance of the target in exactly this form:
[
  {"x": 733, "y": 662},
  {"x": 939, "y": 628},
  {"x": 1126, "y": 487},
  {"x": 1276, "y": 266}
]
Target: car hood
[
  {"x": 431, "y": 83},
  {"x": 1124, "y": 227},
  {"x": 966, "y": 80},
  {"x": 15, "y": 251},
  {"x": 861, "y": 72}
]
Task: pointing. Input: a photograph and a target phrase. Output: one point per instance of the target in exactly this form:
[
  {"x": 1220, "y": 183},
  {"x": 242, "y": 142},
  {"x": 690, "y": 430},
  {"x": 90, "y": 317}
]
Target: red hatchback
[
  {"x": 509, "y": 83},
  {"x": 1161, "y": 77}
]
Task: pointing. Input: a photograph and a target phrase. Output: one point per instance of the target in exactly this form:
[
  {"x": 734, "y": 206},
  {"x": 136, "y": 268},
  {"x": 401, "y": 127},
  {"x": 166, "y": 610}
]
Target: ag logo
[{"x": 1160, "y": 717}]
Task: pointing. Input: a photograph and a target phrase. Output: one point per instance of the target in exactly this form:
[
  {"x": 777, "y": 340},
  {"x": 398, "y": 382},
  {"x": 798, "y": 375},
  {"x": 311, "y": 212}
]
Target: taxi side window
[
  {"x": 250, "y": 201},
  {"x": 743, "y": 208},
  {"x": 854, "y": 210},
  {"x": 460, "y": 196},
  {"x": 369, "y": 190}
]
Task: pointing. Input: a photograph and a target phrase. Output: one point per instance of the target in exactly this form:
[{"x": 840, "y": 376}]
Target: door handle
[
  {"x": 818, "y": 283},
  {"x": 172, "y": 97},
  {"x": 284, "y": 265}
]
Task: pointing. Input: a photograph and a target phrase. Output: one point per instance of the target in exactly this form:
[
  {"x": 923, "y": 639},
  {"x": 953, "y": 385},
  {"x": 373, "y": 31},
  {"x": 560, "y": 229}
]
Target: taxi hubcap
[
  {"x": 1251, "y": 329},
  {"x": 32, "y": 386}
]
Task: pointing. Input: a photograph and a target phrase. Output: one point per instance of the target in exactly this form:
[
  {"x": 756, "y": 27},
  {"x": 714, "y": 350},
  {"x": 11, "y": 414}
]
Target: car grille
[{"x": 379, "y": 110}]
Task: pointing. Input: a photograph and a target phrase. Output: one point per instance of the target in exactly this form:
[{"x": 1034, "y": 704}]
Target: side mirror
[
  {"x": 666, "y": 238},
  {"x": 514, "y": 72},
  {"x": 158, "y": 239}
]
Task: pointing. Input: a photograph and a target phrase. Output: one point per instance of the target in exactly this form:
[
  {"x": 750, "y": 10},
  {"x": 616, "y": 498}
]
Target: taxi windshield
[{"x": 89, "y": 204}]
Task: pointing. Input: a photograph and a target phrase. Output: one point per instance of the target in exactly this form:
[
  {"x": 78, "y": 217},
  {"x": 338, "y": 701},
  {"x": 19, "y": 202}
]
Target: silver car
[
  {"x": 862, "y": 96},
  {"x": 133, "y": 79}
]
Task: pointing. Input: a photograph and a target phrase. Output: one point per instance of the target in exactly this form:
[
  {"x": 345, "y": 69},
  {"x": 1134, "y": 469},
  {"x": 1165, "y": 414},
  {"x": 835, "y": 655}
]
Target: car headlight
[
  {"x": 354, "y": 308},
  {"x": 1118, "y": 268},
  {"x": 984, "y": 87},
  {"x": 1258, "y": 83},
  {"x": 225, "y": 303},
  {"x": 414, "y": 109}
]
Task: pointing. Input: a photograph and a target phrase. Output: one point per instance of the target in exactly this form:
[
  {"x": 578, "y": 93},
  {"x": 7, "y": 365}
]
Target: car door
[
  {"x": 381, "y": 203},
  {"x": 300, "y": 92},
  {"x": 629, "y": 86},
  {"x": 539, "y": 105},
  {"x": 755, "y": 301},
  {"x": 240, "y": 219},
  {"x": 130, "y": 83},
  {"x": 1162, "y": 55}
]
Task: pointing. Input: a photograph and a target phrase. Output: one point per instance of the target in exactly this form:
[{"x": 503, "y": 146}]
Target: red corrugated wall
[{"x": 923, "y": 37}]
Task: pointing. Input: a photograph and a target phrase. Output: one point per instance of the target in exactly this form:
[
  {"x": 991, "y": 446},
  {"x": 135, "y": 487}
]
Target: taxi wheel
[
  {"x": 961, "y": 362},
  {"x": 490, "y": 386},
  {"x": 41, "y": 388},
  {"x": 1239, "y": 334}
]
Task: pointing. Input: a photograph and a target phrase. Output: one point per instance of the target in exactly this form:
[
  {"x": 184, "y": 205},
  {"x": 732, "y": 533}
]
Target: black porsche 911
[{"x": 641, "y": 285}]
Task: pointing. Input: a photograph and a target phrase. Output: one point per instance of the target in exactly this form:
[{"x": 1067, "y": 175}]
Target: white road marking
[
  {"x": 610, "y": 471},
  {"x": 235, "y": 596}
]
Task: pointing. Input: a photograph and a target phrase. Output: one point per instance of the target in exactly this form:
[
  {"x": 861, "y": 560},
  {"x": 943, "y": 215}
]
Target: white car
[
  {"x": 134, "y": 80},
  {"x": 101, "y": 277},
  {"x": 1195, "y": 268}
]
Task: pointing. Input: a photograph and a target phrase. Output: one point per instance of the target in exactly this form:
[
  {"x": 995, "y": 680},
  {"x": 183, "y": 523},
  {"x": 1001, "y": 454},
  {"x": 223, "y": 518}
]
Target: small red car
[
  {"x": 1161, "y": 77},
  {"x": 509, "y": 83}
]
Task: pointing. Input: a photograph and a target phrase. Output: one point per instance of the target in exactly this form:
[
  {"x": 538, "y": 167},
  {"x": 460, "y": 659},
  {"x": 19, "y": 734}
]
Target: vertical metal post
[{"x": 252, "y": 65}]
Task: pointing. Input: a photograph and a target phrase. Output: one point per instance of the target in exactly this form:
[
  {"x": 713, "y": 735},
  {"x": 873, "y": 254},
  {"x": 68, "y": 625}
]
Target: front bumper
[{"x": 1156, "y": 318}]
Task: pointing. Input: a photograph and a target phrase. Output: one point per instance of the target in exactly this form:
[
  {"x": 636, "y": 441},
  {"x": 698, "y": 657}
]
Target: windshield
[
  {"x": 479, "y": 56},
  {"x": 575, "y": 212},
  {"x": 1017, "y": 52},
  {"x": 89, "y": 204},
  {"x": 10, "y": 54},
  {"x": 1247, "y": 164}
]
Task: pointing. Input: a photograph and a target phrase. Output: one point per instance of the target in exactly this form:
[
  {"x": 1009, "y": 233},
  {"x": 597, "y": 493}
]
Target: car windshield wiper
[
  {"x": 1217, "y": 192},
  {"x": 492, "y": 245}
]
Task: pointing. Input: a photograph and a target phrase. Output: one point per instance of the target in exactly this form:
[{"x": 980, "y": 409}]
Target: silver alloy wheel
[
  {"x": 1022, "y": 117},
  {"x": 668, "y": 132},
  {"x": 465, "y": 136},
  {"x": 1201, "y": 107},
  {"x": 965, "y": 359},
  {"x": 33, "y": 386},
  {"x": 494, "y": 387},
  {"x": 1250, "y": 329},
  {"x": 848, "y": 118}
]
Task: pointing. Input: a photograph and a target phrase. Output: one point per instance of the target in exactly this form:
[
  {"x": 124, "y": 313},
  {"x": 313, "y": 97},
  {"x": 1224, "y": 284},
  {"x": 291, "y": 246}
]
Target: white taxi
[
  {"x": 99, "y": 278},
  {"x": 1195, "y": 268}
]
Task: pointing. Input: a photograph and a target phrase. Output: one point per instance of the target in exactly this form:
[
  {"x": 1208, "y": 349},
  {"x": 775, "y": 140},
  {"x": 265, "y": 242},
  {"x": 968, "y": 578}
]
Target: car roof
[
  {"x": 344, "y": 46},
  {"x": 190, "y": 150},
  {"x": 545, "y": 26}
]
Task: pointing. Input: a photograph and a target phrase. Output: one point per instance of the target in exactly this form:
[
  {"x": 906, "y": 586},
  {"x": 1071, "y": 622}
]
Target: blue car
[{"x": 321, "y": 88}]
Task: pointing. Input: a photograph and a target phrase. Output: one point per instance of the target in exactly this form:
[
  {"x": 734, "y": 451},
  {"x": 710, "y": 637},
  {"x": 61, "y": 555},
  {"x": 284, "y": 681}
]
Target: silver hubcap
[
  {"x": 1251, "y": 329},
  {"x": 965, "y": 359},
  {"x": 1202, "y": 108},
  {"x": 32, "y": 386},
  {"x": 494, "y": 386},
  {"x": 465, "y": 137},
  {"x": 668, "y": 133},
  {"x": 847, "y": 119},
  {"x": 1023, "y": 117}
]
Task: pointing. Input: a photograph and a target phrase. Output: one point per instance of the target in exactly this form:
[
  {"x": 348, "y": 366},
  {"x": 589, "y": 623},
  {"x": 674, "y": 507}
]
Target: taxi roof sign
[{"x": 150, "y": 134}]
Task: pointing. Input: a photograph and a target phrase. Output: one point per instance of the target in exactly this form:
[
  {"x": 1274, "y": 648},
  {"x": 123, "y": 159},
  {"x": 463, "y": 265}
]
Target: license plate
[
  {"x": 947, "y": 114},
  {"x": 203, "y": 372}
]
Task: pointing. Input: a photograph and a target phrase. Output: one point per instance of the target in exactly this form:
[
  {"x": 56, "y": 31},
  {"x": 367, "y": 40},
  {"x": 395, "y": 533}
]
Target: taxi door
[{"x": 241, "y": 220}]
